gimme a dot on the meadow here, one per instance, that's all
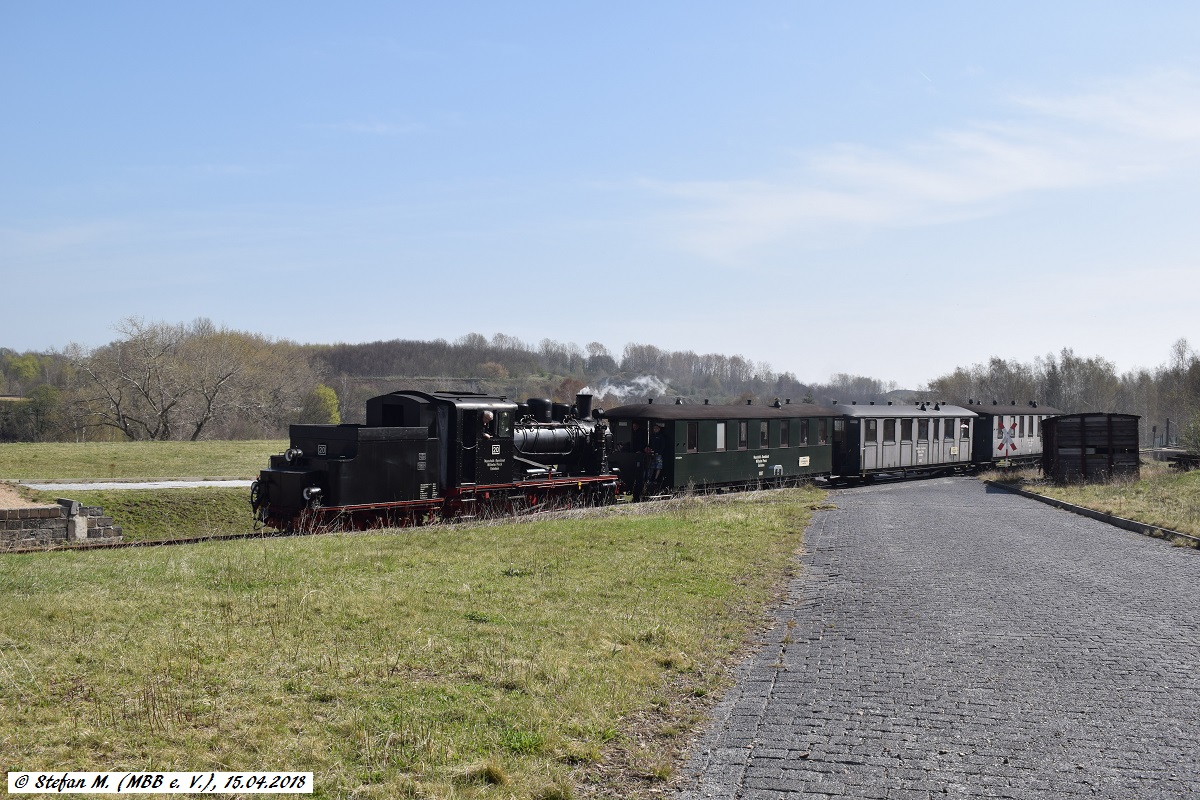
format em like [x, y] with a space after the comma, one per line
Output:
[1161, 496]
[539, 658]
[133, 460]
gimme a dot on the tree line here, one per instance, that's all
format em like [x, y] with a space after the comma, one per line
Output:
[1163, 396]
[159, 381]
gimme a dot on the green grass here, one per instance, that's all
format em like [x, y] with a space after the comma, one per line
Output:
[151, 514]
[548, 658]
[1161, 496]
[126, 460]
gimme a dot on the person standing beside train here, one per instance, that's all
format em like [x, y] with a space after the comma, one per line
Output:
[658, 452]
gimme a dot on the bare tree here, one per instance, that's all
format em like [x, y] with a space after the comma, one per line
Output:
[165, 381]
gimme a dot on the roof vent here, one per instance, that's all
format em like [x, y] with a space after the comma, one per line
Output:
[889, 402]
[853, 402]
[995, 403]
[1033, 403]
[649, 401]
[706, 401]
[749, 402]
[872, 402]
[936, 407]
[776, 404]
[1014, 402]
[787, 401]
[678, 401]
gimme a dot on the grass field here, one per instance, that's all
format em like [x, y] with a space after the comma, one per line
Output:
[548, 658]
[153, 514]
[128, 460]
[1160, 497]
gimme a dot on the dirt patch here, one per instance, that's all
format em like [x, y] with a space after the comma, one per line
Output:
[11, 497]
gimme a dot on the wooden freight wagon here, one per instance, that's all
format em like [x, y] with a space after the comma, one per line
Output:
[1083, 448]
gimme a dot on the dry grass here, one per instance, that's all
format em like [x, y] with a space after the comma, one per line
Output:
[1161, 496]
[126, 460]
[556, 658]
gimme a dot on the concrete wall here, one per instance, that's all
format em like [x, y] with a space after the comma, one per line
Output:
[54, 526]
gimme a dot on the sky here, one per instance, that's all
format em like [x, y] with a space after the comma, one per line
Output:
[877, 188]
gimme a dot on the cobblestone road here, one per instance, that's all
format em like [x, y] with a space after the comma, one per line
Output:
[945, 639]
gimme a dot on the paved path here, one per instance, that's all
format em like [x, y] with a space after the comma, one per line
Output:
[165, 484]
[945, 639]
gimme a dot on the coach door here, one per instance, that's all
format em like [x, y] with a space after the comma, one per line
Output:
[870, 444]
[906, 442]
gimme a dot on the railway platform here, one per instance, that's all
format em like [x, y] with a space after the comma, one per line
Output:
[946, 639]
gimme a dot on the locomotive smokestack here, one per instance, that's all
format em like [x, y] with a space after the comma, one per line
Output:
[583, 405]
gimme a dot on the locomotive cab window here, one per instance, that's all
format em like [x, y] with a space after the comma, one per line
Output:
[504, 424]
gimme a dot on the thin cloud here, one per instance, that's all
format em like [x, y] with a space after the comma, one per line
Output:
[1117, 133]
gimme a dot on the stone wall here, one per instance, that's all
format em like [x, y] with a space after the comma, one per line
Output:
[69, 522]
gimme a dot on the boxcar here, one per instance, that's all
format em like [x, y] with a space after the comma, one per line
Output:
[1091, 447]
[926, 438]
[713, 446]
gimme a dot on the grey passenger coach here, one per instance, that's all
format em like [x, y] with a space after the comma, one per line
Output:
[926, 438]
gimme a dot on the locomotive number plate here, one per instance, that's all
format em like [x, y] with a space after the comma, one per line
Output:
[495, 449]
[322, 449]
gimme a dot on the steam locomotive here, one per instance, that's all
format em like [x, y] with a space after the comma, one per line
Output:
[427, 456]
[423, 456]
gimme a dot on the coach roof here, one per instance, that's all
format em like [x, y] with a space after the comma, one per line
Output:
[922, 410]
[686, 411]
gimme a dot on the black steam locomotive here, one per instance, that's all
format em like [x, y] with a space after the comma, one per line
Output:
[427, 456]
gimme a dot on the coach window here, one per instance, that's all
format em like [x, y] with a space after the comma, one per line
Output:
[1039, 426]
[1021, 430]
[693, 436]
[889, 431]
[823, 431]
[906, 430]
[964, 428]
[785, 433]
[1000, 425]
[764, 436]
[870, 430]
[803, 429]
[720, 436]
[923, 430]
[743, 435]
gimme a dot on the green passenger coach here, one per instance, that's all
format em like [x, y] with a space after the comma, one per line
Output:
[713, 446]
